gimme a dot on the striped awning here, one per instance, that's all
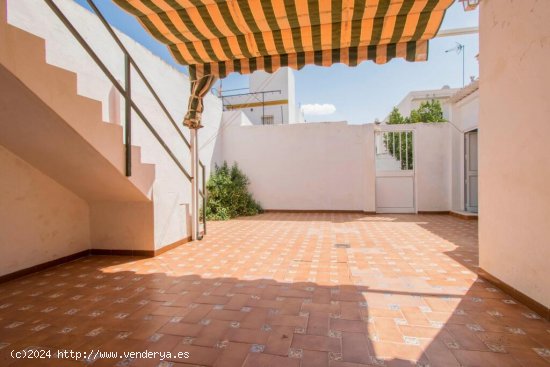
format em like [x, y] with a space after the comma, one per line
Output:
[217, 37]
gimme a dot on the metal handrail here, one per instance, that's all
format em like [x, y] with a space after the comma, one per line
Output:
[136, 67]
[130, 105]
[202, 193]
[129, 63]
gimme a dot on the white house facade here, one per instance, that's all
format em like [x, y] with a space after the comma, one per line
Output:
[270, 99]
[414, 99]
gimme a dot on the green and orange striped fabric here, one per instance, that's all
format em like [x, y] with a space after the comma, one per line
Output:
[217, 37]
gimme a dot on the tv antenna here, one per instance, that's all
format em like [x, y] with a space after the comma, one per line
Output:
[459, 49]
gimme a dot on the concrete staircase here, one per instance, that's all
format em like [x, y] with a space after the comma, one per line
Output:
[61, 133]
[45, 122]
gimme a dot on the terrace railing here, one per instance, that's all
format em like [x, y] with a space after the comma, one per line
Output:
[130, 105]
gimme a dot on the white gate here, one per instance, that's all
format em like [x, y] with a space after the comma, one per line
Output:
[395, 183]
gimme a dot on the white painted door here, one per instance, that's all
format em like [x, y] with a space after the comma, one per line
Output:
[471, 175]
[395, 171]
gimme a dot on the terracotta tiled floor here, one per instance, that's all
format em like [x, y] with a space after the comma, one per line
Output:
[274, 290]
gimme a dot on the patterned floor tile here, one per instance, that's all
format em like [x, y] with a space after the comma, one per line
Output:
[281, 289]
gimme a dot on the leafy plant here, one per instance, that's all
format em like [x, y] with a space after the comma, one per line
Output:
[400, 144]
[228, 195]
[429, 111]
[396, 117]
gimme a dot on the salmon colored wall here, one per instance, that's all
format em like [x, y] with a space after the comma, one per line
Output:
[40, 220]
[514, 159]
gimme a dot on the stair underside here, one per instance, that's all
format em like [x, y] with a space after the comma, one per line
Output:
[37, 134]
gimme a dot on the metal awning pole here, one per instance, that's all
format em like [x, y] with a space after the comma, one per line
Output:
[195, 185]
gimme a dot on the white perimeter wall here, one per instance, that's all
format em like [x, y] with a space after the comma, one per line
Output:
[304, 166]
[329, 166]
[40, 220]
[433, 168]
[514, 163]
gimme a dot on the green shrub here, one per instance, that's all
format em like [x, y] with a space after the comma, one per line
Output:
[228, 195]
[400, 144]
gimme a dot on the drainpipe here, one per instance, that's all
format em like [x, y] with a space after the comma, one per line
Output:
[195, 186]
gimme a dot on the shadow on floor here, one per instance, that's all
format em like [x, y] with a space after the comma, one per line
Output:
[263, 292]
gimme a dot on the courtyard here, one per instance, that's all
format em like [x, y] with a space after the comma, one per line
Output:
[282, 289]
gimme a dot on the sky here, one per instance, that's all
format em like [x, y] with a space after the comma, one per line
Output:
[358, 94]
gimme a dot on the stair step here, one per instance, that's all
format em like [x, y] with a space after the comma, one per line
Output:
[25, 58]
[145, 175]
[29, 46]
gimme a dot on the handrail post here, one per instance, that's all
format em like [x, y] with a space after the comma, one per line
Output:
[128, 113]
[129, 66]
[203, 199]
[195, 185]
